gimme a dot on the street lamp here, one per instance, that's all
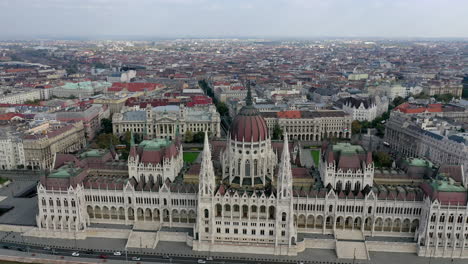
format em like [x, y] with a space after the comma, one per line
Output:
[126, 255]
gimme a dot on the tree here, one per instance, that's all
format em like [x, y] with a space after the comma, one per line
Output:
[222, 109]
[277, 132]
[445, 98]
[356, 127]
[103, 141]
[398, 101]
[199, 137]
[382, 159]
[188, 136]
[106, 125]
[126, 138]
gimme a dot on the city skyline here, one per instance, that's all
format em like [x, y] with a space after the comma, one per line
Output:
[153, 19]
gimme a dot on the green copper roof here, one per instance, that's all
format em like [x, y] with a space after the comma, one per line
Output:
[419, 162]
[347, 148]
[155, 144]
[65, 171]
[446, 184]
[93, 153]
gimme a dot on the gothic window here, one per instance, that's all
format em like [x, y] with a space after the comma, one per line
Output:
[442, 218]
[283, 216]
[207, 213]
[357, 186]
[239, 167]
[255, 167]
[247, 168]
[348, 186]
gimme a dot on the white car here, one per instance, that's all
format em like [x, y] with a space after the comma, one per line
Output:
[201, 261]
[209, 258]
[117, 253]
[136, 258]
[75, 254]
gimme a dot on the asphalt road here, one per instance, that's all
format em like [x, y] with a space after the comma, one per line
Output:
[144, 258]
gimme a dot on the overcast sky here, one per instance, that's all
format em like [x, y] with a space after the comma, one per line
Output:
[227, 18]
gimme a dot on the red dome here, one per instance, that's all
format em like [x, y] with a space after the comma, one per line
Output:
[249, 126]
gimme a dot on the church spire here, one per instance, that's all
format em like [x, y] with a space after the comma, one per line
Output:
[284, 173]
[206, 178]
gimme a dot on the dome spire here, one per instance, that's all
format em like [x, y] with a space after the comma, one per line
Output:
[248, 99]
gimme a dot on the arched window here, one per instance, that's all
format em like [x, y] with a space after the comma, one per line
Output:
[65, 202]
[339, 186]
[348, 186]
[247, 168]
[330, 208]
[236, 208]
[255, 167]
[442, 218]
[451, 217]
[239, 166]
[283, 216]
[43, 202]
[207, 213]
[227, 208]
[369, 210]
[73, 204]
[357, 186]
[433, 218]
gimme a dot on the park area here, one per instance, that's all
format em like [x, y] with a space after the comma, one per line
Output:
[190, 157]
[315, 156]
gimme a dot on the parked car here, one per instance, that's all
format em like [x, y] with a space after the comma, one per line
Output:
[75, 254]
[89, 251]
[201, 261]
[166, 257]
[102, 256]
[47, 248]
[117, 253]
[209, 258]
[136, 258]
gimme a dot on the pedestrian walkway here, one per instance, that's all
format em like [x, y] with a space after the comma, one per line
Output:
[350, 244]
[142, 240]
[351, 250]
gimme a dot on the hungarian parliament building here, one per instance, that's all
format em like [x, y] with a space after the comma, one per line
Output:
[251, 194]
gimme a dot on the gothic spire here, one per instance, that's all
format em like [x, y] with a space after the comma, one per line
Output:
[206, 178]
[248, 99]
[284, 173]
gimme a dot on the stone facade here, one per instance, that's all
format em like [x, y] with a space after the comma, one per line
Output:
[40, 148]
[11, 153]
[365, 109]
[164, 121]
[248, 200]
[311, 125]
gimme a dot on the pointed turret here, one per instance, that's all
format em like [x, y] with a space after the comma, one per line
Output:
[207, 178]
[284, 173]
[133, 151]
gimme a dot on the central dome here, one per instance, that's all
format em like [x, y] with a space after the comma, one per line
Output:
[249, 125]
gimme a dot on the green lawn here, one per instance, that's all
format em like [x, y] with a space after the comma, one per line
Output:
[316, 156]
[190, 156]
[3, 180]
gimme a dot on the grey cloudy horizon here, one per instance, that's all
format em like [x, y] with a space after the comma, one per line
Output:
[228, 18]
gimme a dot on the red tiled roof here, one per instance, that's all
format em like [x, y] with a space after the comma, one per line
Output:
[134, 87]
[289, 114]
[9, 116]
